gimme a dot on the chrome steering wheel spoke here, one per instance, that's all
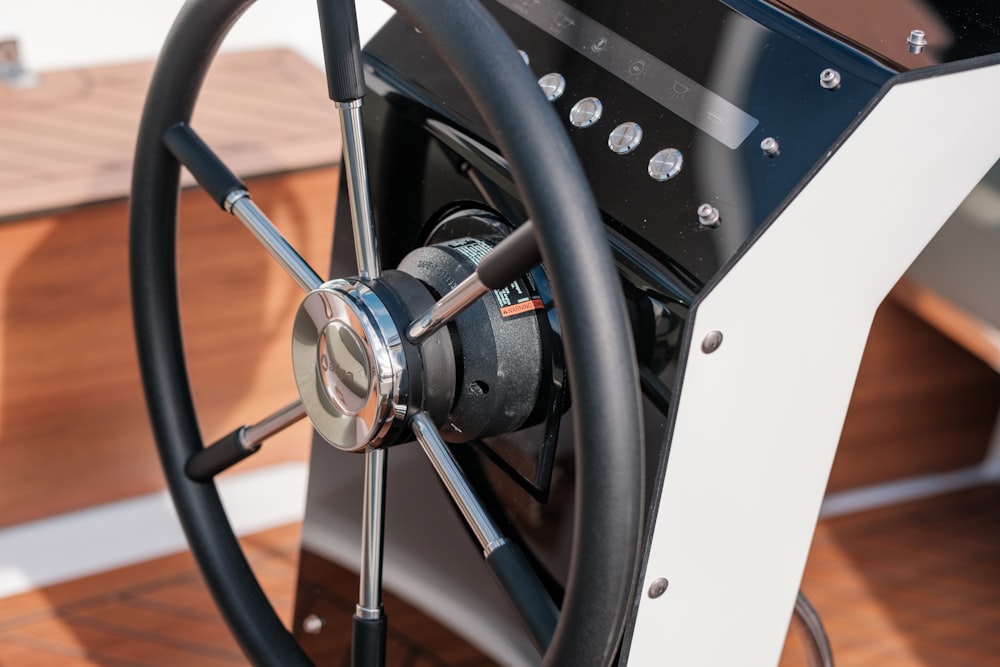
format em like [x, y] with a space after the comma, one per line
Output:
[358, 190]
[342, 50]
[511, 570]
[511, 258]
[254, 219]
[447, 308]
[482, 526]
[230, 449]
[233, 197]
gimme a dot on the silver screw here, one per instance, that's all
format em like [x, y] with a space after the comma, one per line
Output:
[712, 342]
[770, 147]
[829, 79]
[708, 215]
[916, 41]
[313, 624]
[658, 588]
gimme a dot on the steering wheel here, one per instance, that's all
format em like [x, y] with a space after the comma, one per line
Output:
[370, 410]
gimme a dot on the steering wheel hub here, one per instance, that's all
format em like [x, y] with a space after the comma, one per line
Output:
[349, 364]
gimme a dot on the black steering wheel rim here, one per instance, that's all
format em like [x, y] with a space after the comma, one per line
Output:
[603, 378]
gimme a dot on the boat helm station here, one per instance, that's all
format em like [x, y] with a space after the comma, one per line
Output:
[609, 268]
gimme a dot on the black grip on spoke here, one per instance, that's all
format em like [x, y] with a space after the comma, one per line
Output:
[511, 259]
[221, 455]
[204, 165]
[338, 22]
[525, 591]
[368, 642]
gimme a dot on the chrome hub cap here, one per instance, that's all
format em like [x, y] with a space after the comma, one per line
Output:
[347, 354]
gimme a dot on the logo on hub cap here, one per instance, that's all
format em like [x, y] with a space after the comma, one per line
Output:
[343, 368]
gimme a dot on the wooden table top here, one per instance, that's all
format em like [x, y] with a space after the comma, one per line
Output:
[70, 140]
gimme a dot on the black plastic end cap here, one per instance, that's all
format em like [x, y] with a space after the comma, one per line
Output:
[345, 78]
[218, 457]
[511, 258]
[368, 641]
[525, 591]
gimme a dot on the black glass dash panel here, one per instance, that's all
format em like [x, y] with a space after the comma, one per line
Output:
[766, 73]
[639, 68]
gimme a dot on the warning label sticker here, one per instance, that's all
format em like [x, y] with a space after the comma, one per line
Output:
[523, 307]
[518, 298]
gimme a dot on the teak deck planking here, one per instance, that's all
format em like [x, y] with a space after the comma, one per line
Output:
[916, 585]
[70, 140]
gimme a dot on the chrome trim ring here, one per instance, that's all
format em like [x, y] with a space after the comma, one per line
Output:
[349, 364]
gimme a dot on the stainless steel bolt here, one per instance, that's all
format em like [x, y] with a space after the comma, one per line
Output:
[712, 342]
[916, 41]
[313, 624]
[658, 588]
[829, 79]
[770, 147]
[708, 215]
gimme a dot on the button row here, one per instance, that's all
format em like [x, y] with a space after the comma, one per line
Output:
[624, 139]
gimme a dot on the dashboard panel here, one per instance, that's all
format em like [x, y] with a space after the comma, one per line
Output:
[693, 124]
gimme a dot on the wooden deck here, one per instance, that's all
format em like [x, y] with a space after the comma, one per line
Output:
[155, 613]
[916, 585]
[70, 140]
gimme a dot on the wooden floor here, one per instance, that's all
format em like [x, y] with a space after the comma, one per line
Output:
[917, 585]
[911, 586]
[154, 614]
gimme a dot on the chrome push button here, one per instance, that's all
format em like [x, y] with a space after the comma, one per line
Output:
[553, 85]
[586, 112]
[665, 164]
[625, 138]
